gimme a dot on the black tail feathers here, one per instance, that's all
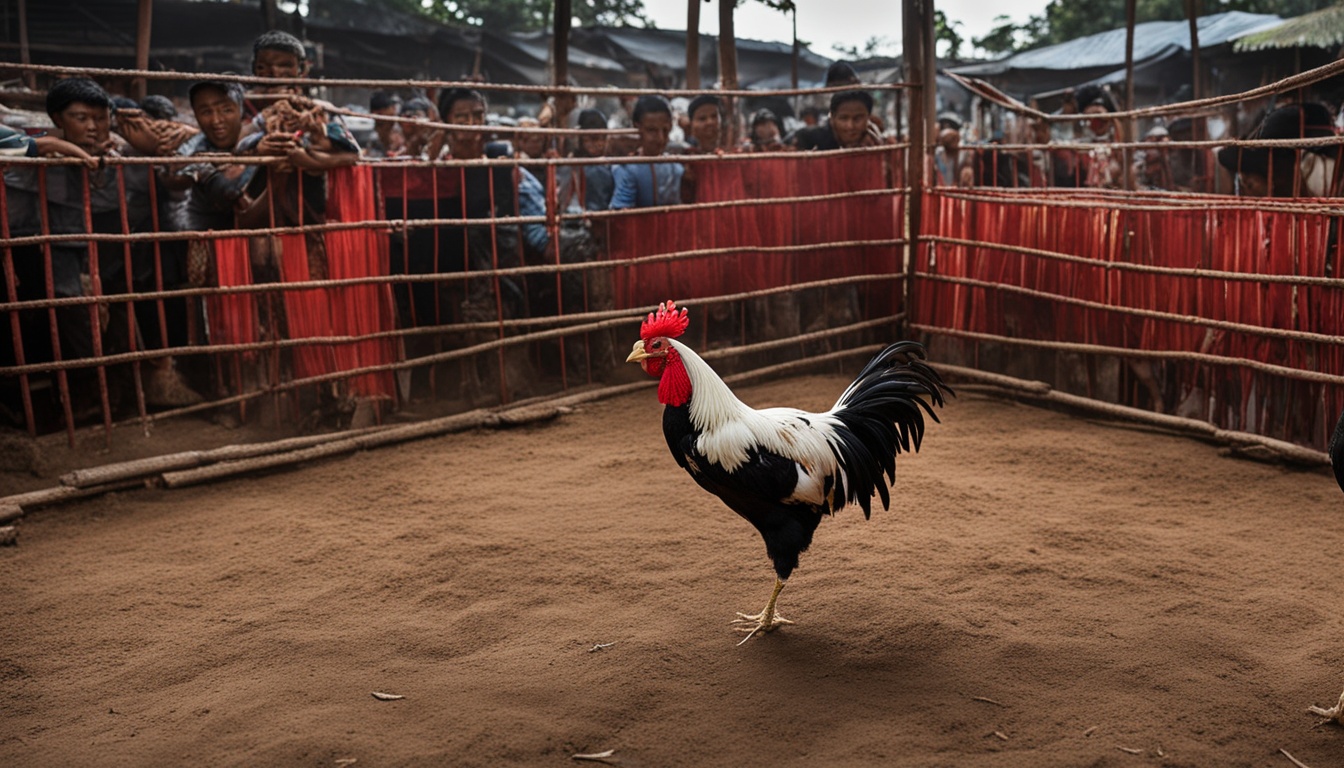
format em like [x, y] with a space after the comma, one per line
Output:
[882, 414]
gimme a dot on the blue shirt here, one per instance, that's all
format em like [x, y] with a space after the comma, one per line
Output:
[532, 202]
[643, 185]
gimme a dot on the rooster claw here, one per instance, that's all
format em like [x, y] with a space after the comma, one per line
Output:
[752, 625]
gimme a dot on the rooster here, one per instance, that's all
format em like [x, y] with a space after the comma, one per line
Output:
[783, 468]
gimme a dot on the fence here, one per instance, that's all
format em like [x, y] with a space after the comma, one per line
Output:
[442, 281]
[454, 282]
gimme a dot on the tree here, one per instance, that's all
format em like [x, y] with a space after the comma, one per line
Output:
[945, 31]
[872, 48]
[1004, 38]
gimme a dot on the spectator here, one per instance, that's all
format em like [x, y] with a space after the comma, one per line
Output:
[810, 116]
[421, 142]
[766, 133]
[279, 55]
[530, 145]
[641, 185]
[1189, 166]
[1151, 169]
[1283, 171]
[592, 189]
[848, 125]
[948, 120]
[1103, 166]
[706, 124]
[1047, 166]
[587, 188]
[159, 107]
[516, 192]
[310, 137]
[816, 137]
[533, 146]
[947, 159]
[994, 167]
[388, 139]
[216, 190]
[81, 110]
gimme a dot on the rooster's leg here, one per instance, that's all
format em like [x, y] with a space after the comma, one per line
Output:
[766, 620]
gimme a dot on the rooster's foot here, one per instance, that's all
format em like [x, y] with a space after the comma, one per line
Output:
[759, 623]
[765, 621]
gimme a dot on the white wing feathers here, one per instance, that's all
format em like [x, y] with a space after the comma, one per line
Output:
[729, 429]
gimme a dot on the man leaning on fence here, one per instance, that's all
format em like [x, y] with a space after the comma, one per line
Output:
[80, 109]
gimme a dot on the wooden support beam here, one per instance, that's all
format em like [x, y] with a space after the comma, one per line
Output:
[564, 18]
[693, 44]
[143, 24]
[728, 66]
[25, 54]
[915, 19]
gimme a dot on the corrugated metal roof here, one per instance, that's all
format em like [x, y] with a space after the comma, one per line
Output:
[1152, 40]
[1318, 29]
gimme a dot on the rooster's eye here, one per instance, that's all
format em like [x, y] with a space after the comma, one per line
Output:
[657, 345]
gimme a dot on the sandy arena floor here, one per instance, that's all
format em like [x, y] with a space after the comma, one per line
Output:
[1050, 591]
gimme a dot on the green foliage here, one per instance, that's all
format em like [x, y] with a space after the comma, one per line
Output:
[1066, 20]
[1004, 38]
[874, 47]
[945, 31]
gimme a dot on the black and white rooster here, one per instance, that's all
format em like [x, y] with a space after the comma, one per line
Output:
[782, 468]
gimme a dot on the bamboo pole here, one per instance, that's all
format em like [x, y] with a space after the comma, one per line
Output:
[10, 512]
[144, 19]
[564, 17]
[728, 66]
[1130, 124]
[913, 25]
[25, 52]
[693, 44]
[1237, 441]
[1199, 124]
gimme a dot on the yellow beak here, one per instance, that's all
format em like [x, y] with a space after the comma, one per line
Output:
[638, 353]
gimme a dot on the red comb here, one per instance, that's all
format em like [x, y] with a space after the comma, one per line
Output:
[667, 321]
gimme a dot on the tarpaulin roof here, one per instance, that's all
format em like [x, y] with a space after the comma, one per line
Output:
[1152, 40]
[661, 54]
[364, 38]
[1161, 58]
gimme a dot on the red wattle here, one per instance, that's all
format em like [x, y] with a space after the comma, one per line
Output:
[674, 388]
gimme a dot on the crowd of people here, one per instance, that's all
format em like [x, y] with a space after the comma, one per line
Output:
[304, 139]
[1082, 152]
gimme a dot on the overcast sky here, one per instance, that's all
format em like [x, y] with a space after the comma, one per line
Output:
[823, 23]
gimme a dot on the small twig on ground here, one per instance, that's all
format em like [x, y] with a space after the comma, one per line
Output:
[600, 646]
[347, 761]
[1296, 762]
[1001, 735]
[989, 701]
[386, 696]
[1090, 731]
[600, 757]
[1130, 750]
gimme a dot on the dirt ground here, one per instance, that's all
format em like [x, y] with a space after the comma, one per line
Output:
[1048, 591]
